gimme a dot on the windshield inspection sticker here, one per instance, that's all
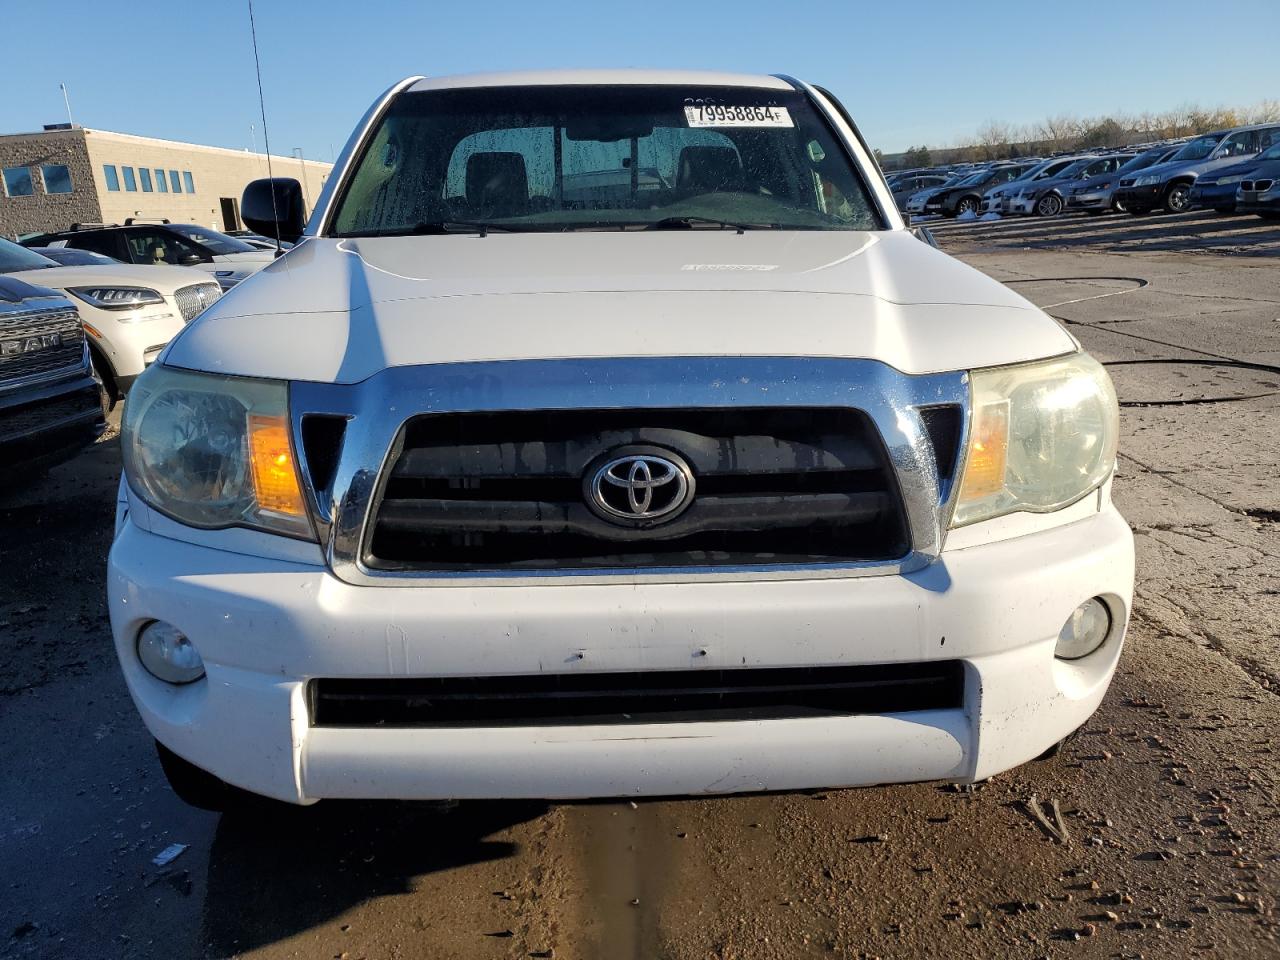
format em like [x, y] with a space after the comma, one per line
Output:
[726, 115]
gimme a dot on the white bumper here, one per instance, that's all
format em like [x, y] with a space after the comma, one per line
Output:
[265, 627]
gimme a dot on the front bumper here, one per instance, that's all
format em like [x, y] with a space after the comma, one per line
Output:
[1213, 195]
[48, 422]
[1094, 200]
[1251, 201]
[267, 627]
[1140, 199]
[1020, 205]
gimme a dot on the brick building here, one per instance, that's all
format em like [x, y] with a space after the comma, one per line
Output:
[66, 175]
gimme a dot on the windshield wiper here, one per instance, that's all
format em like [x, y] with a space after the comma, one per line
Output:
[436, 228]
[689, 223]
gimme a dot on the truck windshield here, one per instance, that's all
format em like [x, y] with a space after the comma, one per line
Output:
[555, 158]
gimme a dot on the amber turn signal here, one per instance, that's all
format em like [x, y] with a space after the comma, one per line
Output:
[275, 477]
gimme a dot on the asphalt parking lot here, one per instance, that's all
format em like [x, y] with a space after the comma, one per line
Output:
[1171, 794]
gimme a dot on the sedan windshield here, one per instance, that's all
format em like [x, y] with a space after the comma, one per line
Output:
[14, 258]
[560, 158]
[1198, 148]
[1271, 153]
[215, 242]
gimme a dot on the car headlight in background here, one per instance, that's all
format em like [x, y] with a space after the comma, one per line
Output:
[213, 451]
[1042, 435]
[116, 298]
[1150, 181]
[1223, 181]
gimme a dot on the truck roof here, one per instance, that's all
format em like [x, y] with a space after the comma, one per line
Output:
[540, 78]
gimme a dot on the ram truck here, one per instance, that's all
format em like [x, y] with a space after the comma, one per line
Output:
[607, 433]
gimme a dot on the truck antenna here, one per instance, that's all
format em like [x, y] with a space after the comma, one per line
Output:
[266, 139]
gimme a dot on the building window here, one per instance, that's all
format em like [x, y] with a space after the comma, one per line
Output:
[174, 183]
[57, 178]
[145, 176]
[161, 183]
[130, 183]
[113, 178]
[17, 182]
[188, 182]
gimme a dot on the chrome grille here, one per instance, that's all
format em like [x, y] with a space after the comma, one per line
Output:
[193, 299]
[38, 343]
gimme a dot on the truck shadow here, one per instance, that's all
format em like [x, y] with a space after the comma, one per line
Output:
[277, 872]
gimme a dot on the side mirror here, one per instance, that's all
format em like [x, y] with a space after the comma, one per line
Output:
[274, 208]
[190, 260]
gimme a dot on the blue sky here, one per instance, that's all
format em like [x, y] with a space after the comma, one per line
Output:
[911, 72]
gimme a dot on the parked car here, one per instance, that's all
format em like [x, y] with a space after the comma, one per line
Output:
[50, 404]
[177, 244]
[1167, 186]
[256, 241]
[1260, 192]
[1095, 195]
[997, 199]
[129, 312]
[1046, 197]
[904, 187]
[916, 202]
[965, 197]
[1219, 188]
[392, 526]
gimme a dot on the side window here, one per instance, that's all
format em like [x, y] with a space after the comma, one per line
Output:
[112, 177]
[144, 175]
[17, 182]
[174, 183]
[130, 183]
[159, 246]
[98, 242]
[1268, 138]
[57, 178]
[162, 185]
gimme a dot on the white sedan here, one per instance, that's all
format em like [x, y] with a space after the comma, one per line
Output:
[129, 312]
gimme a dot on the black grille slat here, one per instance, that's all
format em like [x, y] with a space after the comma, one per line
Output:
[506, 491]
[715, 513]
[681, 696]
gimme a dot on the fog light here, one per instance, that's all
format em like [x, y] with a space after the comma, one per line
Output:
[1084, 631]
[168, 655]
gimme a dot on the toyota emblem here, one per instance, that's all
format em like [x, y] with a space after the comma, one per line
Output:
[645, 486]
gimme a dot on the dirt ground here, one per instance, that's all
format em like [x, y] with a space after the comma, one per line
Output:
[1170, 793]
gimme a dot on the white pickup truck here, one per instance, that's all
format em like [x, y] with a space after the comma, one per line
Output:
[607, 434]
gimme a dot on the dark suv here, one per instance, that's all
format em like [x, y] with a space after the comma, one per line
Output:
[50, 403]
[177, 244]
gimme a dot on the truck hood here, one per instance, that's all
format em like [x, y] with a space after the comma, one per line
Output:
[340, 310]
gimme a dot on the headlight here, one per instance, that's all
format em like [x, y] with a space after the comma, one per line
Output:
[1225, 181]
[1042, 435]
[1103, 186]
[213, 451]
[1150, 181]
[116, 298]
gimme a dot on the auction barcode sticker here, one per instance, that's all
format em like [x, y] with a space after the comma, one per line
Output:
[726, 115]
